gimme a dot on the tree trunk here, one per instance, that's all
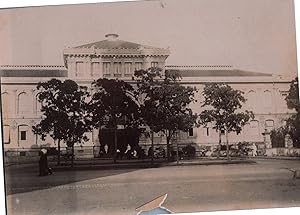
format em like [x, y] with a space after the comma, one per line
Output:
[72, 158]
[219, 146]
[168, 145]
[152, 149]
[227, 146]
[115, 145]
[58, 155]
[177, 149]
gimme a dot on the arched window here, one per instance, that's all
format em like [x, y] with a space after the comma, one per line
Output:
[267, 99]
[24, 103]
[208, 129]
[282, 101]
[6, 134]
[253, 128]
[38, 105]
[251, 99]
[7, 108]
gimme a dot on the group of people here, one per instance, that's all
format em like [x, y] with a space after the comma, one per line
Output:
[129, 153]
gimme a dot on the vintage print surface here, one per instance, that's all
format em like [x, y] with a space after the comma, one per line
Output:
[150, 107]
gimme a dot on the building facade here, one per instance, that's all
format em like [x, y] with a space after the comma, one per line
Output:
[115, 58]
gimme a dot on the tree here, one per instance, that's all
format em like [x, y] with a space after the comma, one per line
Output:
[292, 98]
[113, 104]
[165, 106]
[223, 108]
[278, 137]
[65, 113]
[292, 124]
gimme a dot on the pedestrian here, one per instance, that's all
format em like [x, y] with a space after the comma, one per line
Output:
[43, 164]
[106, 148]
[134, 153]
[150, 152]
[118, 154]
[128, 151]
[254, 150]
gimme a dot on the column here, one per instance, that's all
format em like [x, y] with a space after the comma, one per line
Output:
[95, 140]
[147, 62]
[15, 99]
[34, 105]
[71, 67]
[268, 144]
[100, 69]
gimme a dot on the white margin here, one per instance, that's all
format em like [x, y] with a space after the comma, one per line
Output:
[19, 3]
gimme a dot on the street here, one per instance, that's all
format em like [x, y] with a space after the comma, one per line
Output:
[266, 183]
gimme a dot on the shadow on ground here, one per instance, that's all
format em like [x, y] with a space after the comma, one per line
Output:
[24, 178]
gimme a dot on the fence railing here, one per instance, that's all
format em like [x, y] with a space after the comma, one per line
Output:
[142, 151]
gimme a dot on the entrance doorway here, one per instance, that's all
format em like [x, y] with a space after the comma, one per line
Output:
[124, 137]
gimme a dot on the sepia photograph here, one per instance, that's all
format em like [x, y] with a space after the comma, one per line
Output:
[150, 107]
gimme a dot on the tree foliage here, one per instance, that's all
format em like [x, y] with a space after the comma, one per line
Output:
[65, 111]
[113, 103]
[293, 122]
[223, 106]
[165, 106]
[278, 137]
[292, 98]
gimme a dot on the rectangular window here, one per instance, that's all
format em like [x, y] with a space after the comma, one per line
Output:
[106, 69]
[191, 132]
[117, 69]
[138, 66]
[128, 69]
[207, 131]
[23, 135]
[95, 68]
[269, 123]
[254, 128]
[154, 64]
[79, 69]
[6, 134]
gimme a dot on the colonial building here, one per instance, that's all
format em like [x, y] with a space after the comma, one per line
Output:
[115, 58]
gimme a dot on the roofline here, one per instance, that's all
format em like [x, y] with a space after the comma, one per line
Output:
[54, 67]
[197, 66]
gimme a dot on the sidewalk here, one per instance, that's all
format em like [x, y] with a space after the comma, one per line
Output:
[139, 164]
[221, 161]
[100, 164]
[276, 157]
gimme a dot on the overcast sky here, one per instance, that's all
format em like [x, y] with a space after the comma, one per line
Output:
[255, 35]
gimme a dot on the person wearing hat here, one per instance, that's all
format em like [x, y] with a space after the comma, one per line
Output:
[43, 164]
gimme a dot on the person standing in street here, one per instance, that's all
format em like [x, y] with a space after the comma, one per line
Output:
[43, 164]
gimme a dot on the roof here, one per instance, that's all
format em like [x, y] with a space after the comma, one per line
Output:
[213, 71]
[33, 71]
[113, 43]
[107, 44]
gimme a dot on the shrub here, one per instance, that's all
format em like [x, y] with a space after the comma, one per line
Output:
[189, 151]
[277, 137]
[241, 149]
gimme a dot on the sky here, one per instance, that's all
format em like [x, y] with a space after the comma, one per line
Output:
[253, 35]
